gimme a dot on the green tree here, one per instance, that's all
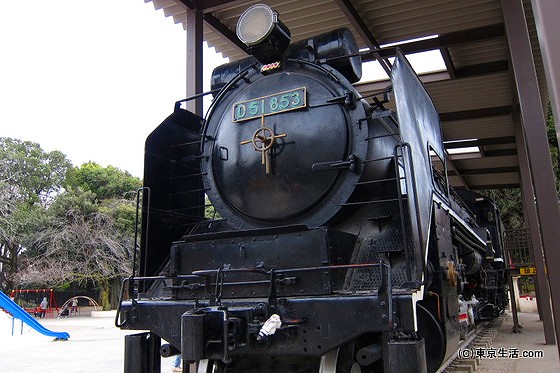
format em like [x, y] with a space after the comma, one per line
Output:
[553, 144]
[105, 182]
[86, 235]
[509, 201]
[30, 179]
[61, 224]
[31, 174]
[77, 243]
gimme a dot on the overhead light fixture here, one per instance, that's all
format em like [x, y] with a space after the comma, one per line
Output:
[463, 149]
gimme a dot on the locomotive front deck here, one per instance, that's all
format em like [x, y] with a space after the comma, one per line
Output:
[224, 332]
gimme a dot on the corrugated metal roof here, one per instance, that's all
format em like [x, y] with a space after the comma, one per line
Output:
[464, 93]
[482, 128]
[474, 97]
[479, 52]
[395, 20]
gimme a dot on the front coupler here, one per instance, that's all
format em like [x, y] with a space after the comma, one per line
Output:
[142, 353]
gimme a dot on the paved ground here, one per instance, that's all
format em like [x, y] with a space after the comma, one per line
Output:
[531, 340]
[95, 345]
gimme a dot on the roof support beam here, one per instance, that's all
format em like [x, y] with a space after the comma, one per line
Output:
[495, 186]
[358, 23]
[482, 68]
[444, 41]
[448, 62]
[224, 30]
[534, 131]
[475, 113]
[212, 21]
[381, 85]
[452, 170]
[500, 152]
[488, 171]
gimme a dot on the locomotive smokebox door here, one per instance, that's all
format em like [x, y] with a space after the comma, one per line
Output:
[293, 148]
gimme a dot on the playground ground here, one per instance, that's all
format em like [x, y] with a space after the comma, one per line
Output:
[95, 345]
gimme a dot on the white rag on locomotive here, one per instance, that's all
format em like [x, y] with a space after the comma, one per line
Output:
[336, 243]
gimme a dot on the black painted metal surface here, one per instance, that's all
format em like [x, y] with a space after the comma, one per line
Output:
[259, 171]
[332, 219]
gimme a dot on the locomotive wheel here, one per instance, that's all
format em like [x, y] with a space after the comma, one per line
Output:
[434, 338]
[341, 360]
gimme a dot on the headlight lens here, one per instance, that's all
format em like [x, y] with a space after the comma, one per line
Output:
[255, 24]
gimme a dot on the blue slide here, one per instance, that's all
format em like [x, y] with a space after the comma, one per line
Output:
[19, 313]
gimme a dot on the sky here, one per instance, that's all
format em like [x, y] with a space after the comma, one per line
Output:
[93, 78]
[90, 78]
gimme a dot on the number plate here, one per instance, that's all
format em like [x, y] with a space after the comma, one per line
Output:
[269, 105]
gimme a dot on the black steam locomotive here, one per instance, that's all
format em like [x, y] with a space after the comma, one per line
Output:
[335, 243]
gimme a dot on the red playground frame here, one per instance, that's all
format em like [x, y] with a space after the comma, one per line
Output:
[49, 294]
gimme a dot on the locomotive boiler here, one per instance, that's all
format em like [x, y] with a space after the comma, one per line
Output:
[334, 242]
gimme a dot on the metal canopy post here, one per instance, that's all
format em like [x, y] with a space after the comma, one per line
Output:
[194, 83]
[530, 210]
[534, 129]
[194, 60]
[547, 14]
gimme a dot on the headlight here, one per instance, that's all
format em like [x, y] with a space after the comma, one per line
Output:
[260, 29]
[255, 24]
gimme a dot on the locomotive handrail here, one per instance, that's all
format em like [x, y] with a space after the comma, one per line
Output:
[377, 181]
[461, 237]
[121, 296]
[405, 145]
[211, 272]
[385, 289]
[380, 136]
[134, 255]
[188, 192]
[390, 131]
[377, 159]
[198, 95]
[207, 272]
[318, 67]
[371, 201]
[370, 54]
[401, 208]
[187, 176]
[229, 84]
[221, 93]
[219, 276]
[140, 191]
